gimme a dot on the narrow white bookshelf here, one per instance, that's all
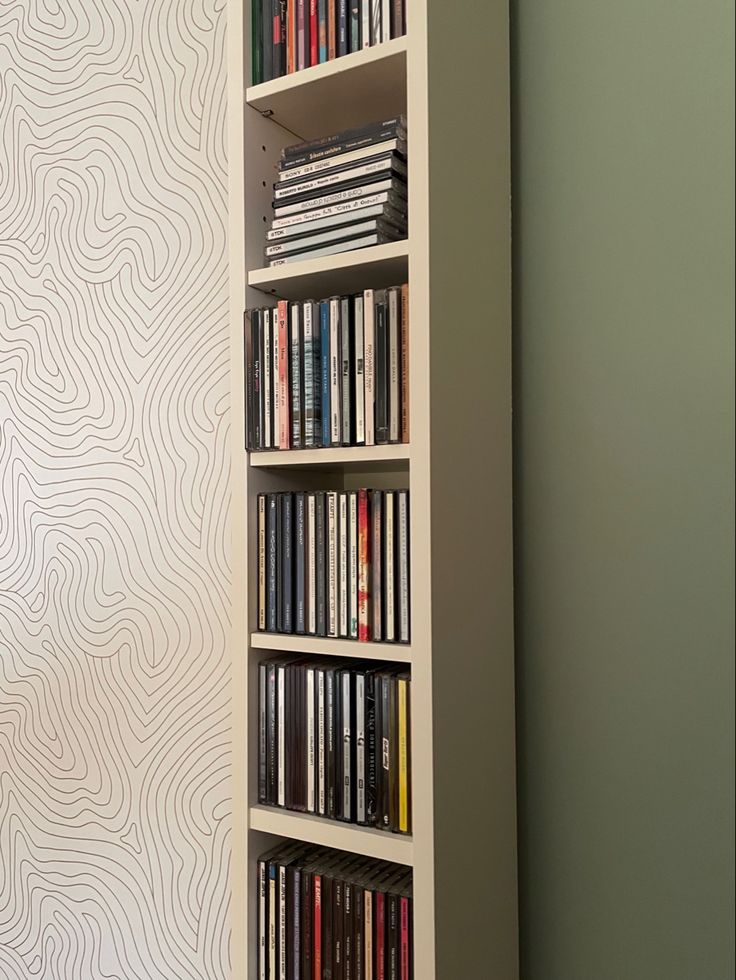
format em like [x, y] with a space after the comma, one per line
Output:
[453, 84]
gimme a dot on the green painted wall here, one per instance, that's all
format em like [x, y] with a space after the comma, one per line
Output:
[623, 207]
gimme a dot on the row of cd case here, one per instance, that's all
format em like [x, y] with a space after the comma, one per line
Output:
[329, 915]
[335, 564]
[334, 740]
[329, 373]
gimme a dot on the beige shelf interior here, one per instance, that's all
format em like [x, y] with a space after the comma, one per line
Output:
[322, 99]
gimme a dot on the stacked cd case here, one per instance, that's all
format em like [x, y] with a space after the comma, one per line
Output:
[340, 193]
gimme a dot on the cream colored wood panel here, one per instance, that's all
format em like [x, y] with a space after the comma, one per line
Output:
[380, 265]
[422, 570]
[241, 916]
[332, 833]
[399, 652]
[344, 457]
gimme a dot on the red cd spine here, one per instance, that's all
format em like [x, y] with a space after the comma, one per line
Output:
[313, 33]
[363, 567]
[380, 936]
[317, 928]
[331, 30]
[404, 947]
[284, 393]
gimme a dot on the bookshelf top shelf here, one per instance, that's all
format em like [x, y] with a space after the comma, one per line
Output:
[365, 86]
[331, 833]
[374, 267]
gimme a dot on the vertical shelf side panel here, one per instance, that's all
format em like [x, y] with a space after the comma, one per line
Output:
[471, 491]
[238, 59]
[421, 530]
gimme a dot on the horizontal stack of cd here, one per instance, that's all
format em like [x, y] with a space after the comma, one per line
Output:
[328, 373]
[335, 564]
[327, 914]
[290, 35]
[334, 740]
[340, 193]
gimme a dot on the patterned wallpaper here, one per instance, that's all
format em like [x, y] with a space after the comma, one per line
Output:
[114, 577]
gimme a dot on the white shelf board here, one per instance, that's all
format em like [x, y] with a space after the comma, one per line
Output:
[326, 646]
[333, 833]
[365, 86]
[354, 457]
[374, 267]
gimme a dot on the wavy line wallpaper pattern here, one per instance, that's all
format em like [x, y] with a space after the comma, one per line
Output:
[114, 491]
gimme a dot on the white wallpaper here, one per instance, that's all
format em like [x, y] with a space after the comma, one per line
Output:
[114, 496]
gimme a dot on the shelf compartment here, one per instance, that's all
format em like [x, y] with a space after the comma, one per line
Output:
[368, 84]
[327, 646]
[373, 267]
[348, 457]
[333, 833]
